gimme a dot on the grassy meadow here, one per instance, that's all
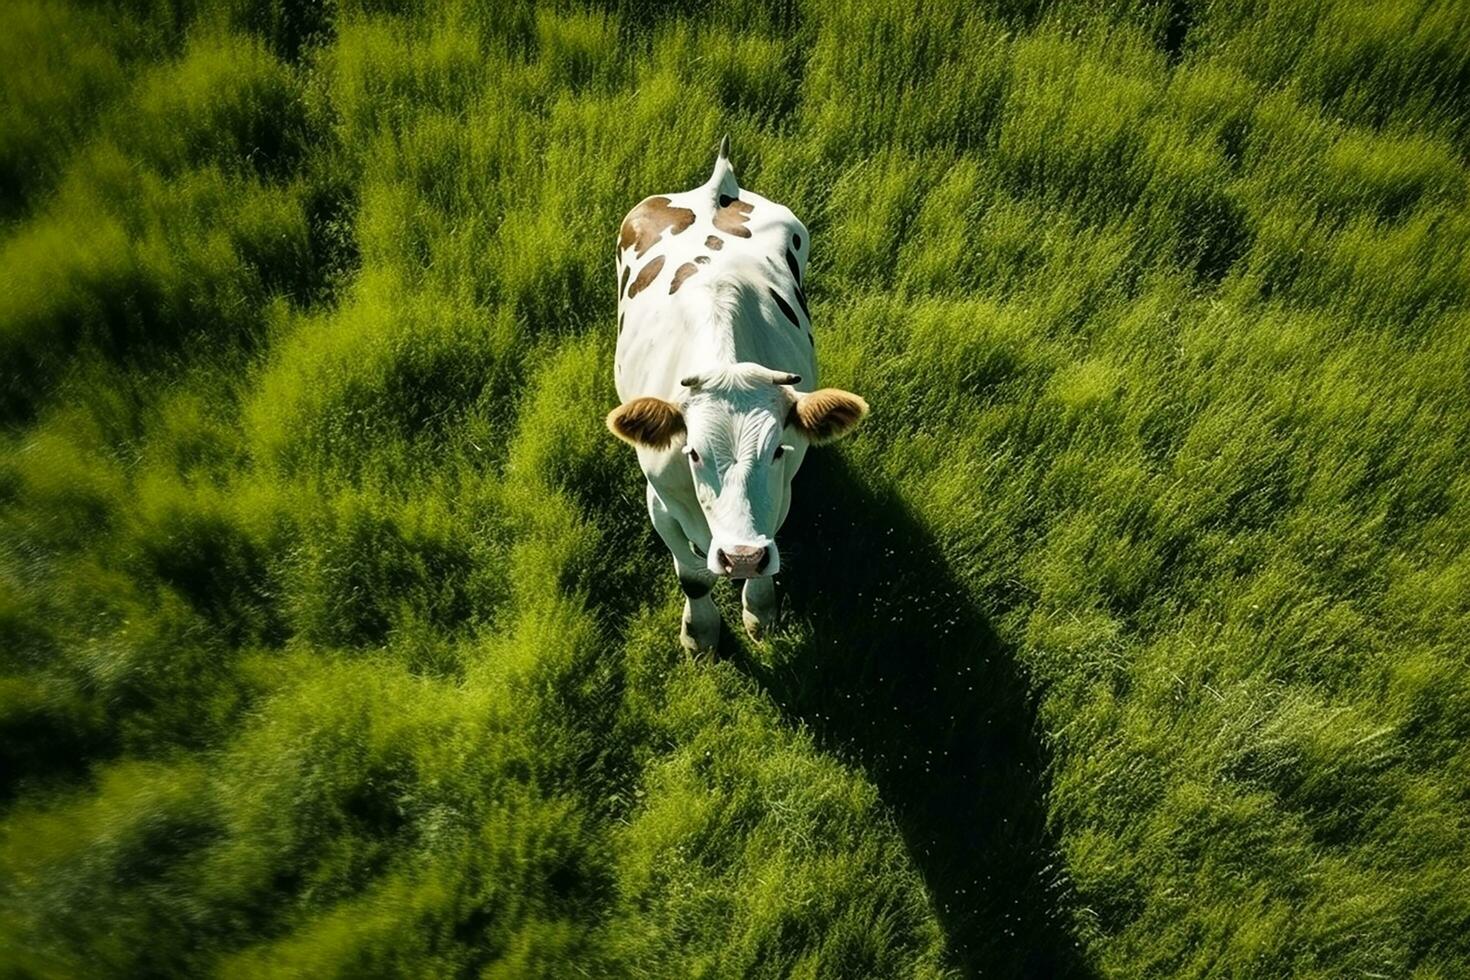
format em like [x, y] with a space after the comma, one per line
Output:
[1125, 639]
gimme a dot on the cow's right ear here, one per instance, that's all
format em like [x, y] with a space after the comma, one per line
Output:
[648, 422]
[827, 414]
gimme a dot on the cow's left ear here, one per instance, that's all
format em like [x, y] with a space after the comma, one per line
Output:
[650, 422]
[827, 414]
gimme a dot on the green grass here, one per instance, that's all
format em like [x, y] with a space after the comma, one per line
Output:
[1125, 639]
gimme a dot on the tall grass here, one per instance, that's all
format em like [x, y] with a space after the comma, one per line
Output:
[1124, 638]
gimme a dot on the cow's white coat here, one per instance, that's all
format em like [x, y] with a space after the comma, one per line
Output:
[724, 326]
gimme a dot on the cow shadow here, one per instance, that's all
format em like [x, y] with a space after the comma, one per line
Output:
[895, 669]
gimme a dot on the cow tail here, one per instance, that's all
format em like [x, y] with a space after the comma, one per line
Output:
[722, 183]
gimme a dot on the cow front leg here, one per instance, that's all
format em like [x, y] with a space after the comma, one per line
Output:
[758, 602]
[700, 628]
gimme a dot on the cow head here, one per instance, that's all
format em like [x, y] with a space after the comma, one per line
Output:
[743, 430]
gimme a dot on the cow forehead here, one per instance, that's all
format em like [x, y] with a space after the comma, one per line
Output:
[739, 416]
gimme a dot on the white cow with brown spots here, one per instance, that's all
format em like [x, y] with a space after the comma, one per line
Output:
[716, 366]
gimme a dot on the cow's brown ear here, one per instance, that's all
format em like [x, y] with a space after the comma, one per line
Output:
[650, 422]
[827, 414]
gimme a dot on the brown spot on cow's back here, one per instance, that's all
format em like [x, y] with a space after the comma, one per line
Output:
[645, 223]
[714, 243]
[701, 259]
[732, 216]
[646, 276]
[680, 274]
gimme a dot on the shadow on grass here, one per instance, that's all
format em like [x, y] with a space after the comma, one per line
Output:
[902, 674]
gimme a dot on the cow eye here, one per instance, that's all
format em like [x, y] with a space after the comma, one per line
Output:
[780, 451]
[693, 456]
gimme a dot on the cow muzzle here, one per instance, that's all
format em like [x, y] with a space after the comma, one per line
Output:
[743, 561]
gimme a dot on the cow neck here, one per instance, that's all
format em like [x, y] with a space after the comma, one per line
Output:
[719, 340]
[729, 332]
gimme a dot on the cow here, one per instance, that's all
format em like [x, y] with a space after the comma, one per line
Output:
[716, 368]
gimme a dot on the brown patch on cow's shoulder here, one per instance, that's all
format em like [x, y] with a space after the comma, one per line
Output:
[701, 259]
[732, 216]
[646, 276]
[645, 223]
[680, 274]
[714, 243]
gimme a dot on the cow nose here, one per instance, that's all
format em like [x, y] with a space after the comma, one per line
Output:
[742, 560]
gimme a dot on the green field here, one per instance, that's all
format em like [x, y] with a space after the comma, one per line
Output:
[1126, 638]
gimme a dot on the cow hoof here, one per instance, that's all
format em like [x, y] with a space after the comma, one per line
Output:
[699, 641]
[758, 607]
[755, 626]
